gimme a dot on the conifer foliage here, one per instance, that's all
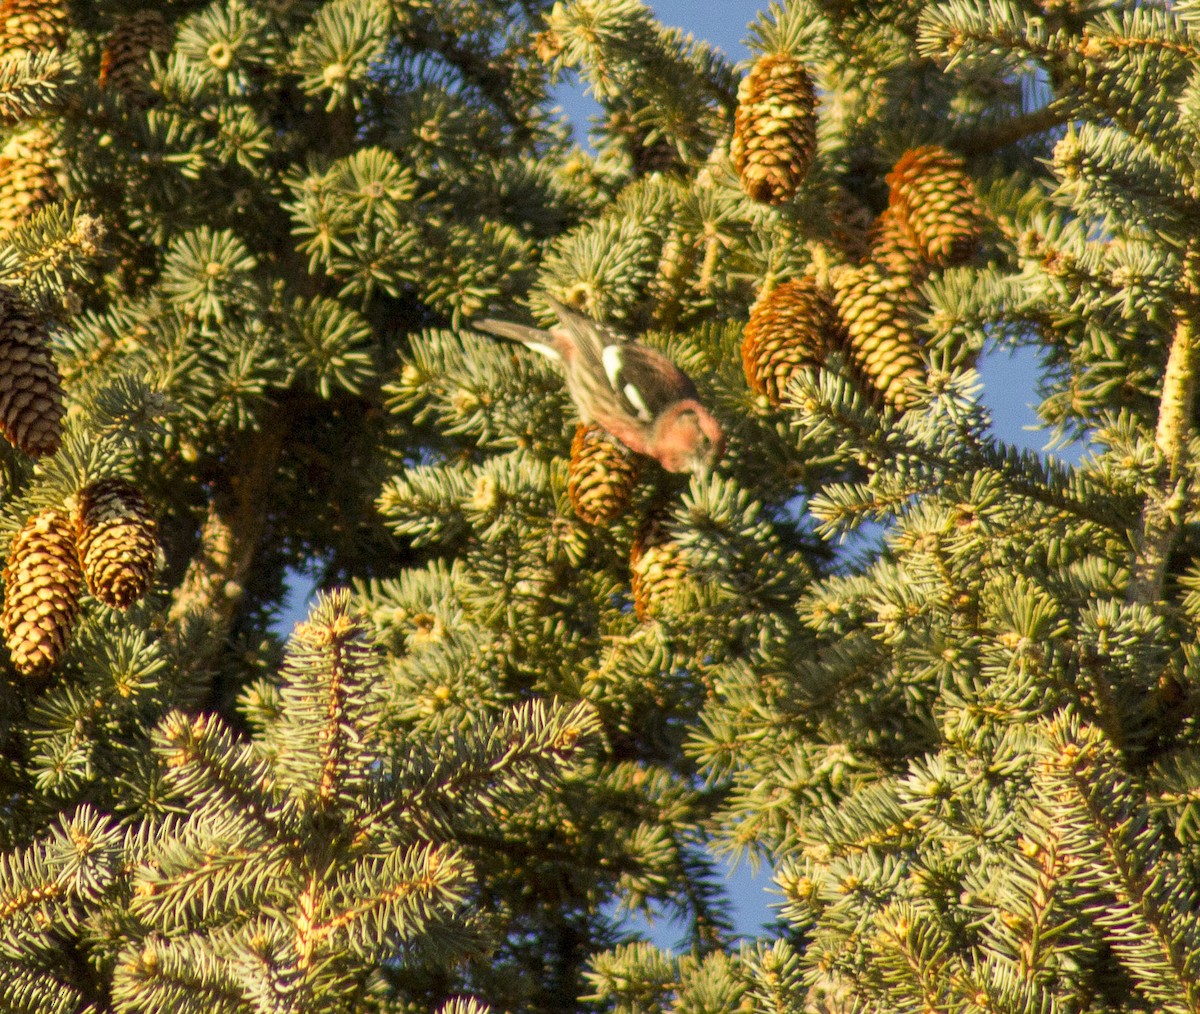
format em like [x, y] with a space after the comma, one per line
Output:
[944, 689]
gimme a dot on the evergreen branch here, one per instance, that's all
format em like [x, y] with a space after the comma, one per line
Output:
[631, 977]
[321, 740]
[492, 79]
[182, 975]
[398, 897]
[871, 819]
[915, 960]
[528, 744]
[38, 991]
[214, 870]
[33, 83]
[334, 736]
[78, 860]
[206, 763]
[1124, 857]
[1162, 514]
[31, 897]
[1043, 921]
[993, 137]
[464, 1005]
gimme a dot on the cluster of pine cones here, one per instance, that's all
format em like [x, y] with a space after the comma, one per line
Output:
[109, 543]
[31, 165]
[601, 478]
[31, 160]
[863, 311]
[106, 541]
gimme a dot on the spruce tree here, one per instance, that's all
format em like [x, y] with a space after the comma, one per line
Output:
[541, 682]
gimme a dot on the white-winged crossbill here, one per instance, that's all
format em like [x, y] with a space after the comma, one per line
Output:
[638, 395]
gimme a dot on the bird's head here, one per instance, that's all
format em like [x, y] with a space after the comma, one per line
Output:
[687, 438]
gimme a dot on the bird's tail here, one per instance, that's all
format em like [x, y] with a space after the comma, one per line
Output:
[531, 337]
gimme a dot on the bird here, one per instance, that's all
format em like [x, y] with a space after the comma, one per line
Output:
[637, 395]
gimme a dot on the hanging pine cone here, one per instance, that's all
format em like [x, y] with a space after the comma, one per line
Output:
[646, 154]
[33, 26]
[118, 541]
[894, 247]
[775, 128]
[933, 194]
[41, 591]
[849, 224]
[601, 477]
[794, 326]
[657, 569]
[125, 62]
[29, 165]
[31, 397]
[876, 311]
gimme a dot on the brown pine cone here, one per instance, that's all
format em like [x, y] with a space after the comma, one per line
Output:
[125, 62]
[31, 396]
[601, 477]
[794, 326]
[775, 128]
[894, 248]
[33, 26]
[657, 569]
[931, 192]
[876, 311]
[41, 592]
[29, 165]
[118, 541]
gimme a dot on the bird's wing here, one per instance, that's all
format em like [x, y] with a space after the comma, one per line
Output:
[636, 374]
[598, 348]
[584, 332]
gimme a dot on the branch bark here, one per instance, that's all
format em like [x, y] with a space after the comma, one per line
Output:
[208, 598]
[990, 139]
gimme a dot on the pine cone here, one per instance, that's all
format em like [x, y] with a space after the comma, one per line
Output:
[646, 155]
[849, 224]
[657, 568]
[29, 165]
[125, 63]
[31, 396]
[932, 193]
[33, 26]
[794, 326]
[894, 247]
[601, 477]
[41, 591]
[775, 128]
[876, 311]
[118, 541]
